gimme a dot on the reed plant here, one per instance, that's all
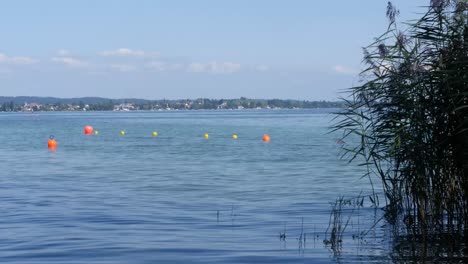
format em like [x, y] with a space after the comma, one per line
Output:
[410, 116]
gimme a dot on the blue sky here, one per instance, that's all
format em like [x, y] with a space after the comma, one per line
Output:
[301, 49]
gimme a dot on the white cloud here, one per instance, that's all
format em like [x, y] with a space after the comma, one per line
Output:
[262, 68]
[384, 67]
[345, 70]
[175, 66]
[63, 52]
[226, 67]
[214, 67]
[160, 66]
[124, 52]
[3, 57]
[123, 67]
[196, 67]
[70, 62]
[17, 60]
[157, 65]
[23, 60]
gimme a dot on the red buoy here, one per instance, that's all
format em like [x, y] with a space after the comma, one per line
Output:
[266, 138]
[88, 130]
[52, 144]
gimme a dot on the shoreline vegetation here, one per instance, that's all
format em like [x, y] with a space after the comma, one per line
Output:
[409, 119]
[34, 104]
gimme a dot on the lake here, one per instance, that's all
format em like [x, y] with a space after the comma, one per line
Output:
[177, 197]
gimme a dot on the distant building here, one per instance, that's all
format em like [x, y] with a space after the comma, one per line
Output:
[222, 106]
[124, 107]
[31, 107]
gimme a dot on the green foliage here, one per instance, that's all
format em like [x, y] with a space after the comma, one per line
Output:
[411, 117]
[7, 107]
[102, 104]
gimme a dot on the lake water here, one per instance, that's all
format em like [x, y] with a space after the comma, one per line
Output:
[175, 198]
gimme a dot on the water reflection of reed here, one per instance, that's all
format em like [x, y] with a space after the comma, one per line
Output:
[441, 247]
[360, 232]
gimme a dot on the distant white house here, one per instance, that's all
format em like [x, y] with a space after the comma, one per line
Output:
[124, 107]
[222, 106]
[31, 107]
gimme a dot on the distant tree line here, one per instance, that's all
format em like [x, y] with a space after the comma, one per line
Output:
[103, 104]
[8, 107]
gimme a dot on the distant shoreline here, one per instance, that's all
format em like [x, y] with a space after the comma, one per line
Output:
[45, 104]
[172, 110]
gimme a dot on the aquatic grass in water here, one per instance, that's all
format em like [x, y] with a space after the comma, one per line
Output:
[410, 116]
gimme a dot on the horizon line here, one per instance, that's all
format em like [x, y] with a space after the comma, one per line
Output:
[172, 99]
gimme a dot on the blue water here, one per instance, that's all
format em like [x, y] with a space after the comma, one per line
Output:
[175, 198]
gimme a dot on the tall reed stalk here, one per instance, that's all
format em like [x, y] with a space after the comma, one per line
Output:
[410, 113]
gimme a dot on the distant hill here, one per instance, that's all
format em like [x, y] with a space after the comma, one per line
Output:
[19, 100]
[34, 103]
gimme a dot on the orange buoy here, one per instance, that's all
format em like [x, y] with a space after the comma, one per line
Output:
[266, 138]
[88, 130]
[52, 144]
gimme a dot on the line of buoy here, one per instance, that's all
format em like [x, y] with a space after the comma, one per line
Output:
[88, 130]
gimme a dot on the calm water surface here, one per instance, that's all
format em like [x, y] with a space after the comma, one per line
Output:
[175, 198]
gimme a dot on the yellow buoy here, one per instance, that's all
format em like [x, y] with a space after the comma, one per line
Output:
[234, 136]
[206, 136]
[122, 133]
[155, 134]
[96, 132]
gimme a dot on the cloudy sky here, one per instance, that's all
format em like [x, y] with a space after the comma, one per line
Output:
[298, 49]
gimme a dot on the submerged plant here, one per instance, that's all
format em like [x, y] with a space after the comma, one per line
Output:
[410, 115]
